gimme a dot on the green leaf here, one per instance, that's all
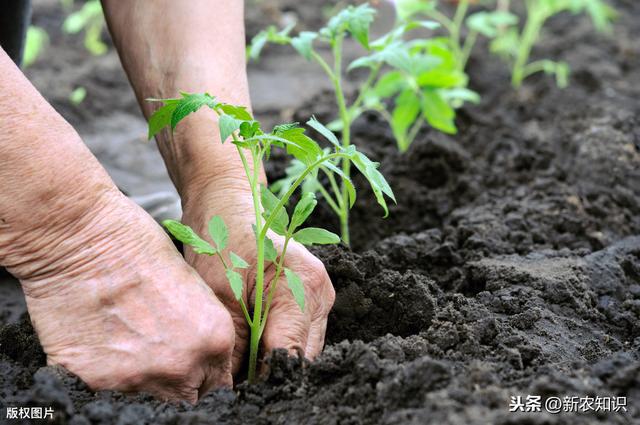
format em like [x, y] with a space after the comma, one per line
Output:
[442, 78]
[238, 262]
[295, 286]
[228, 125]
[302, 147]
[488, 23]
[303, 43]
[405, 9]
[236, 283]
[389, 84]
[320, 128]
[438, 112]
[191, 102]
[239, 112]
[36, 41]
[270, 252]
[315, 236]
[351, 190]
[355, 20]
[404, 114]
[303, 210]
[187, 236]
[377, 181]
[218, 231]
[270, 35]
[269, 203]
[161, 118]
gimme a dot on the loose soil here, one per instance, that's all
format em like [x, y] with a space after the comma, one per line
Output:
[509, 267]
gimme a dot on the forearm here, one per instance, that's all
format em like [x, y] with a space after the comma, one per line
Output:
[169, 46]
[45, 169]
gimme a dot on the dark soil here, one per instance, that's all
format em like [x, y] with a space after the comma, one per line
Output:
[510, 266]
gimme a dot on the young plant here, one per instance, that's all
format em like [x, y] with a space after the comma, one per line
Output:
[417, 77]
[515, 45]
[36, 41]
[459, 41]
[90, 19]
[270, 213]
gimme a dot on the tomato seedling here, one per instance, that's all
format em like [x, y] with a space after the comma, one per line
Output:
[515, 45]
[253, 146]
[418, 77]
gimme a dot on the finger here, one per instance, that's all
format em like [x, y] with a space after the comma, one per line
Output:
[315, 341]
[241, 340]
[287, 326]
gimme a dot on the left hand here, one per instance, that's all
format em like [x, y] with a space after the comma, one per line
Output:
[287, 326]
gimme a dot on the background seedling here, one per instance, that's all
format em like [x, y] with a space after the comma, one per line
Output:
[419, 78]
[90, 20]
[253, 146]
[515, 45]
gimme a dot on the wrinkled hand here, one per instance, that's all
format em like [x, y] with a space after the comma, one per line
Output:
[287, 326]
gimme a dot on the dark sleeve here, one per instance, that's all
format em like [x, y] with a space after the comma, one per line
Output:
[14, 20]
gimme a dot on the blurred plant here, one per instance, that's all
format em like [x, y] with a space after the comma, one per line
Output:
[515, 45]
[89, 19]
[78, 95]
[418, 78]
[36, 41]
[253, 145]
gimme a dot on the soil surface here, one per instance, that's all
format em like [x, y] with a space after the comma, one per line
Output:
[510, 266]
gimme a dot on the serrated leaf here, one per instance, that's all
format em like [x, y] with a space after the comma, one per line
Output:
[269, 203]
[236, 283]
[303, 43]
[355, 20]
[190, 103]
[239, 112]
[218, 232]
[227, 125]
[315, 236]
[320, 128]
[187, 236]
[270, 252]
[303, 210]
[238, 262]
[161, 118]
[295, 286]
[302, 147]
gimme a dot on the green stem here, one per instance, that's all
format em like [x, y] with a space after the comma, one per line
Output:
[346, 134]
[327, 197]
[334, 187]
[254, 344]
[535, 21]
[469, 43]
[293, 188]
[373, 75]
[242, 304]
[274, 284]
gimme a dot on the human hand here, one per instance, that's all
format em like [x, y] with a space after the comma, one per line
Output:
[287, 326]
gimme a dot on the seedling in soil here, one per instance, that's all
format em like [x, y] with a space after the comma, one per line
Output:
[89, 19]
[253, 146]
[488, 23]
[515, 45]
[419, 77]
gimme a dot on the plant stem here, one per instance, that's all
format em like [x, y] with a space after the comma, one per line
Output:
[254, 344]
[535, 20]
[274, 284]
[346, 134]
